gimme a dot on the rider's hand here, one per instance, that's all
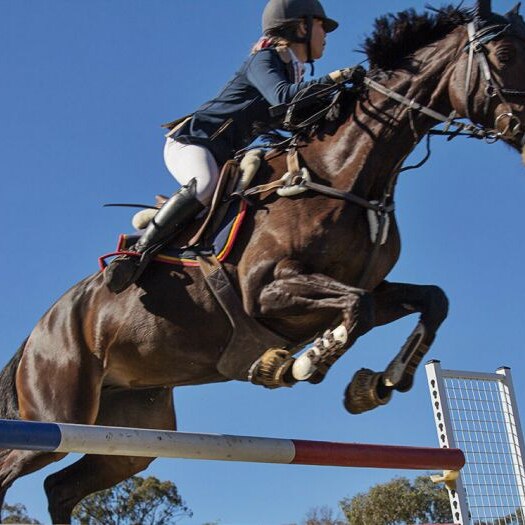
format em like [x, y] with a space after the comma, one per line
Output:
[349, 74]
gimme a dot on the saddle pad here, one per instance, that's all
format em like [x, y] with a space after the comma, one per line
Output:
[220, 244]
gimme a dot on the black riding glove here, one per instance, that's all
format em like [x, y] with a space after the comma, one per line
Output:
[356, 75]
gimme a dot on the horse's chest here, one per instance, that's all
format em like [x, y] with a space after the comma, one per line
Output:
[349, 249]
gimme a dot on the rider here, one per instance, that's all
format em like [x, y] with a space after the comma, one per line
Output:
[294, 32]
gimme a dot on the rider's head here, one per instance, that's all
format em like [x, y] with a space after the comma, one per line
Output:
[302, 23]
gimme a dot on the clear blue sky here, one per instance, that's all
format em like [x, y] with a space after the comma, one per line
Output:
[84, 88]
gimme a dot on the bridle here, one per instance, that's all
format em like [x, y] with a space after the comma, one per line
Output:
[477, 51]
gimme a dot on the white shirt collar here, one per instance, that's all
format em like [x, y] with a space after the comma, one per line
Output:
[298, 66]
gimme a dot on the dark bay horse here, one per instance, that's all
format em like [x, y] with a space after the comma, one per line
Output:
[302, 264]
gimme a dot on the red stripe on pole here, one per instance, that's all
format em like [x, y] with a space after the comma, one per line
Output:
[376, 456]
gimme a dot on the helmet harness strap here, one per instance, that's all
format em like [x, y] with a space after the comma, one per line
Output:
[309, 28]
[309, 20]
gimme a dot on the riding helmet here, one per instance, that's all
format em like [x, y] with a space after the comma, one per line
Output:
[279, 12]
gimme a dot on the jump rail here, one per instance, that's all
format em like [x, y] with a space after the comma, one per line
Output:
[120, 441]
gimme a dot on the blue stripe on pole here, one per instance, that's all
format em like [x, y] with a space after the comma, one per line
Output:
[30, 435]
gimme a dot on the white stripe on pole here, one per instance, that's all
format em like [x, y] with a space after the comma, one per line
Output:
[154, 443]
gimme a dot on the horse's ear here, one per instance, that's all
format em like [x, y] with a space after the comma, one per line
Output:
[484, 9]
[515, 11]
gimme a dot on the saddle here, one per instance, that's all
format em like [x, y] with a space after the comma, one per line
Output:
[215, 231]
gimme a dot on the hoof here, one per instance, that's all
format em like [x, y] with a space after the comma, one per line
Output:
[366, 392]
[273, 369]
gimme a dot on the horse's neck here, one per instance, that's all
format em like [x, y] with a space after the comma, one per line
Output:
[381, 133]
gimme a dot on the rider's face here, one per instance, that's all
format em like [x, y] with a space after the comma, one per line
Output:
[318, 39]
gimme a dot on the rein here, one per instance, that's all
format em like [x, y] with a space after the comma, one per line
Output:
[465, 128]
[476, 48]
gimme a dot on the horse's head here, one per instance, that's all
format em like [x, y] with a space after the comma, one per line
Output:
[488, 85]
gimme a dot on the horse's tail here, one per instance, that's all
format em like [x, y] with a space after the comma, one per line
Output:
[8, 394]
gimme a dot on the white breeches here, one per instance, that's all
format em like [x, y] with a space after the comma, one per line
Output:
[188, 161]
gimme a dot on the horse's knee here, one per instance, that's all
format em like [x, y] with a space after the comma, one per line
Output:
[361, 314]
[436, 310]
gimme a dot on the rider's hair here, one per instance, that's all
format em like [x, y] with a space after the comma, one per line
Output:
[283, 35]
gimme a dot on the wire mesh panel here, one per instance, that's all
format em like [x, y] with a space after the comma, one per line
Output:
[477, 413]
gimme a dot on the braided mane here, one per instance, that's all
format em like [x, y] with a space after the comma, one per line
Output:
[396, 36]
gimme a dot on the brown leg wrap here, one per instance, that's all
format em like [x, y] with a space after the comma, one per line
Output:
[272, 369]
[366, 392]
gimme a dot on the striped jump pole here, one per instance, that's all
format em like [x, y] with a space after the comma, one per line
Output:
[120, 441]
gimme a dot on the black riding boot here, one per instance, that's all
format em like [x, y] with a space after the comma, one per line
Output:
[123, 271]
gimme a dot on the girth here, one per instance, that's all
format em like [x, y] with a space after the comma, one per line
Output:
[250, 339]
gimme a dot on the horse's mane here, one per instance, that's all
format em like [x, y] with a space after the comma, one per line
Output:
[396, 36]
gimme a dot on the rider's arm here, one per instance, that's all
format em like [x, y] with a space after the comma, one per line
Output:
[267, 72]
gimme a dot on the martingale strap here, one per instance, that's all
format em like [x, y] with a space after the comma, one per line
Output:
[468, 128]
[323, 189]
[249, 339]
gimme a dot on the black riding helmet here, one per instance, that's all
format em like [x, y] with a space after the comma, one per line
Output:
[278, 13]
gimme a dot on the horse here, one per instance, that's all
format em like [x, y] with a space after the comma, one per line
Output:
[302, 264]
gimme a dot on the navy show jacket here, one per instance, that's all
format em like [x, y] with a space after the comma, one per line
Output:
[225, 124]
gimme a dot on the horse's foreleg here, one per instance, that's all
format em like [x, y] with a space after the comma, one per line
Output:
[432, 303]
[296, 294]
[393, 301]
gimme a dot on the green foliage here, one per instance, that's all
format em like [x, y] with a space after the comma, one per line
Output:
[17, 513]
[136, 501]
[399, 502]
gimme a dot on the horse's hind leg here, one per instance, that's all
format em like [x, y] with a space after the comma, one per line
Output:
[92, 473]
[55, 381]
[17, 463]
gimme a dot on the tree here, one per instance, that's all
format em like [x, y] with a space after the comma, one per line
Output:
[17, 513]
[399, 502]
[135, 501]
[322, 516]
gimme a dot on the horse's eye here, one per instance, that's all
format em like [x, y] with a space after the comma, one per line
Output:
[505, 53]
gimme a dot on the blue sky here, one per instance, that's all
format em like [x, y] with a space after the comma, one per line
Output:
[85, 86]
